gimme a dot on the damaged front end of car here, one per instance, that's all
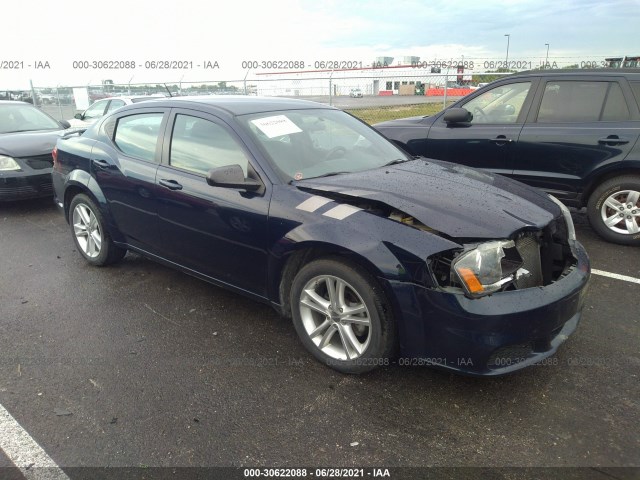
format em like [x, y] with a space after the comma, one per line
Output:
[481, 305]
[505, 304]
[530, 258]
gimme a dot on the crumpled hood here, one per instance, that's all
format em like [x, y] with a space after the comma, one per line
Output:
[29, 144]
[458, 201]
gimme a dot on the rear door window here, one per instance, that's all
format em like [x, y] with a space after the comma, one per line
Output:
[582, 102]
[137, 135]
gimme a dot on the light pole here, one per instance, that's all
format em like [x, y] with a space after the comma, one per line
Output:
[546, 60]
[506, 63]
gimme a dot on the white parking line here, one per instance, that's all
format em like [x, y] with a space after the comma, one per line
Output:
[615, 275]
[24, 452]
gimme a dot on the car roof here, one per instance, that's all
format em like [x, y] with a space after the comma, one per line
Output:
[15, 102]
[613, 72]
[132, 97]
[237, 104]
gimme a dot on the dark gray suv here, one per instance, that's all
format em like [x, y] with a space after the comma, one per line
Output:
[572, 133]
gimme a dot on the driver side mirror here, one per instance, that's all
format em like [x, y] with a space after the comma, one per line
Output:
[458, 115]
[65, 124]
[231, 176]
[78, 116]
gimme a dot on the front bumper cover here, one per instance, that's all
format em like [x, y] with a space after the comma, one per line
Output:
[493, 335]
[25, 184]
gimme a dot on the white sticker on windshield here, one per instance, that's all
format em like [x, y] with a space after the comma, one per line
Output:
[276, 126]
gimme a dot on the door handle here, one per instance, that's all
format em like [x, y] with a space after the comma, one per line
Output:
[613, 140]
[101, 163]
[501, 140]
[170, 184]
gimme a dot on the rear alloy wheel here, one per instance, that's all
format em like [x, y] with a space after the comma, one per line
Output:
[614, 210]
[339, 313]
[89, 234]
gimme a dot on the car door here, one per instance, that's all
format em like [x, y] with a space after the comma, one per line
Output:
[124, 165]
[215, 231]
[488, 140]
[577, 126]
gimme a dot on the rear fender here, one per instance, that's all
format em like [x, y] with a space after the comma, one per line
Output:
[610, 170]
[79, 181]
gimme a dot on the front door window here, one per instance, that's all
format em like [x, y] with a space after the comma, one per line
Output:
[500, 105]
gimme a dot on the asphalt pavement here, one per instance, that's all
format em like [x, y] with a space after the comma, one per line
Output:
[137, 365]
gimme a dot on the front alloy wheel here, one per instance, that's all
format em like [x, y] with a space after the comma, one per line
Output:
[335, 317]
[342, 315]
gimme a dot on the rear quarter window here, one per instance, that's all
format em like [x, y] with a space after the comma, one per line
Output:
[615, 107]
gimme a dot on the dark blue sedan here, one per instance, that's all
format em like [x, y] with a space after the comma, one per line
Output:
[374, 254]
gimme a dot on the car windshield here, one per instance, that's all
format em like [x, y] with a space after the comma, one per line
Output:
[304, 144]
[24, 118]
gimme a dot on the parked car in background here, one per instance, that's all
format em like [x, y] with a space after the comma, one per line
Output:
[572, 133]
[305, 208]
[355, 93]
[27, 136]
[100, 108]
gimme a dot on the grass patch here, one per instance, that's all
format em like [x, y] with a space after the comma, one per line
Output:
[381, 114]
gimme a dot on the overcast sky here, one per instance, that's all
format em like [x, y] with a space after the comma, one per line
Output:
[60, 32]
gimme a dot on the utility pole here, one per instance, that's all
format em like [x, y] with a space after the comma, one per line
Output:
[506, 63]
[546, 60]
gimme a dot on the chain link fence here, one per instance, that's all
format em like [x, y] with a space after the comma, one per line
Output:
[371, 97]
[374, 94]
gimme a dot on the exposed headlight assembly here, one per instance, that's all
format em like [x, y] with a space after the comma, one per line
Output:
[488, 267]
[8, 164]
[571, 230]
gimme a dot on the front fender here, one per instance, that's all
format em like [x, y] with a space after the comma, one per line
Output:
[386, 248]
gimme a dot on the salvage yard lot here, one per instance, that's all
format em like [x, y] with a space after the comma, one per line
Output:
[140, 365]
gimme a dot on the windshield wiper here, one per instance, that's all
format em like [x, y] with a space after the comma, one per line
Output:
[330, 174]
[396, 162]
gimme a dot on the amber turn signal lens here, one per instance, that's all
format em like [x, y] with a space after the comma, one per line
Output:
[473, 284]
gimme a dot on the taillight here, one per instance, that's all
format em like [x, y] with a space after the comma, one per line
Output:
[54, 154]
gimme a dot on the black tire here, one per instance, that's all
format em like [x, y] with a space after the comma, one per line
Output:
[615, 188]
[81, 208]
[363, 289]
